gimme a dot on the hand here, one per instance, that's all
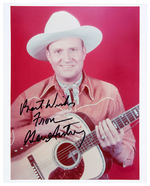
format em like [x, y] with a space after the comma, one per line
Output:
[61, 125]
[107, 135]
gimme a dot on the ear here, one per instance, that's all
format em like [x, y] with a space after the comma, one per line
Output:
[84, 52]
[48, 55]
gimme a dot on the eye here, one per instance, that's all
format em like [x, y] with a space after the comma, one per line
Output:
[73, 49]
[58, 51]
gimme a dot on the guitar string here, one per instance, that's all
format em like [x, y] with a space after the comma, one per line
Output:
[95, 140]
[116, 121]
[61, 151]
[65, 149]
[84, 148]
[127, 113]
[63, 157]
[76, 142]
[70, 145]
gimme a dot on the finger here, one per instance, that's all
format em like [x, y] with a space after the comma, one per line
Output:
[103, 142]
[101, 131]
[121, 133]
[116, 137]
[97, 132]
[115, 133]
[98, 135]
[107, 132]
[112, 129]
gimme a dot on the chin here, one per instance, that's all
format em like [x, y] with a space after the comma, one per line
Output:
[68, 74]
[68, 77]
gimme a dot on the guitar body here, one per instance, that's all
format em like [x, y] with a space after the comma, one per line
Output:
[42, 161]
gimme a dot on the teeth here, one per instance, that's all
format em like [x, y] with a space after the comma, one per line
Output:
[66, 65]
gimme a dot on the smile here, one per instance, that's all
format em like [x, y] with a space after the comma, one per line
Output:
[66, 66]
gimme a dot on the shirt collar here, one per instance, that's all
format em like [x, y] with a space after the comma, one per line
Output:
[52, 84]
[85, 86]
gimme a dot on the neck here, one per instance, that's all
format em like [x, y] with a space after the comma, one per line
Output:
[69, 81]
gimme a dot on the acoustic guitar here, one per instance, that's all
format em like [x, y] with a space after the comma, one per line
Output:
[64, 159]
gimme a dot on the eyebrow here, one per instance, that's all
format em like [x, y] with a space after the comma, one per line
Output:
[82, 44]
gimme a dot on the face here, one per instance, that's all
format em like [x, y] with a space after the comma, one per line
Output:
[66, 57]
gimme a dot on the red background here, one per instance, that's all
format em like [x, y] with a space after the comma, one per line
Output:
[116, 60]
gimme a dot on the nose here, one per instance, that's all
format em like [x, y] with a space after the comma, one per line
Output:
[66, 56]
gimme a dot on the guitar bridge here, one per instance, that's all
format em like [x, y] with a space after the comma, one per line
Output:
[36, 168]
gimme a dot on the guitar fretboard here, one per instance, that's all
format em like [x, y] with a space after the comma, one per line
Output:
[119, 122]
[126, 118]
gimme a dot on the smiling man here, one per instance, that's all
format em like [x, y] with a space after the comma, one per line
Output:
[66, 57]
[65, 45]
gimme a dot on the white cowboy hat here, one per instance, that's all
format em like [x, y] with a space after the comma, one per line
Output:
[62, 24]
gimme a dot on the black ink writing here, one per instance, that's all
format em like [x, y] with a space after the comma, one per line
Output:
[41, 121]
[32, 137]
[27, 107]
[40, 104]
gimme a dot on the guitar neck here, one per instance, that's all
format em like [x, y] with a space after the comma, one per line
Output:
[126, 118]
[119, 122]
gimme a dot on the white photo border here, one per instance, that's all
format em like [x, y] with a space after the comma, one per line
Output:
[5, 76]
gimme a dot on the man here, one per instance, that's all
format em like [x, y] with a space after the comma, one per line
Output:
[65, 44]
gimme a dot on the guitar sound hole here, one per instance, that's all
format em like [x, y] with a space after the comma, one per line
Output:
[68, 155]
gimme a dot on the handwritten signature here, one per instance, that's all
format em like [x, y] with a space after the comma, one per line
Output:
[32, 137]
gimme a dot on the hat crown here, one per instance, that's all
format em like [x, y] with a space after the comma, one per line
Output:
[60, 25]
[61, 21]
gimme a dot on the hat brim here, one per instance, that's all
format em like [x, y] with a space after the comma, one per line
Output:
[90, 35]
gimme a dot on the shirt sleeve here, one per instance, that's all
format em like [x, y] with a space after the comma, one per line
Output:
[19, 117]
[124, 154]
[21, 122]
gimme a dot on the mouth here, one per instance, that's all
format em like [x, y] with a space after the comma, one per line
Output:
[66, 66]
